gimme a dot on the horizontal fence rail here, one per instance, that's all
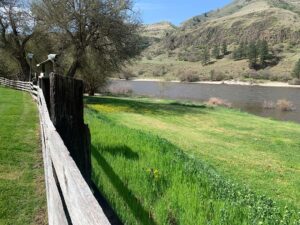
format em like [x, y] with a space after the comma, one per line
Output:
[69, 198]
[21, 85]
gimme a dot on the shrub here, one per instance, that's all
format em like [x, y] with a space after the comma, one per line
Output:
[269, 105]
[218, 102]
[188, 76]
[204, 78]
[160, 71]
[171, 54]
[216, 75]
[158, 52]
[251, 74]
[181, 56]
[261, 75]
[141, 72]
[274, 77]
[192, 57]
[189, 56]
[122, 91]
[285, 105]
[284, 77]
[126, 74]
[7, 69]
[296, 71]
[264, 75]
[230, 77]
[295, 81]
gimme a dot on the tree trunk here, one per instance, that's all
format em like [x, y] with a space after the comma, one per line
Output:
[91, 92]
[25, 68]
[73, 68]
[76, 63]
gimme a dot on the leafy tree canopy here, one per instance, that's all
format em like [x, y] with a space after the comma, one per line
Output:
[109, 28]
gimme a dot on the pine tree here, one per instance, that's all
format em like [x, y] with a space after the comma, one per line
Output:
[224, 48]
[263, 51]
[296, 71]
[235, 53]
[205, 56]
[240, 52]
[244, 50]
[216, 52]
[252, 55]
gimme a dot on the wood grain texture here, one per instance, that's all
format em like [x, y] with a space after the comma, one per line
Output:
[56, 214]
[66, 113]
[82, 206]
[61, 170]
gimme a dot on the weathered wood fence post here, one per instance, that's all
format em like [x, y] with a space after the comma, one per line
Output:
[66, 112]
[44, 84]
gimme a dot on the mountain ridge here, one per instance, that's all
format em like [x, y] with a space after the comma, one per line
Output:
[256, 19]
[177, 50]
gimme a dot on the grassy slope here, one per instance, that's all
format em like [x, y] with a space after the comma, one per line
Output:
[22, 199]
[257, 152]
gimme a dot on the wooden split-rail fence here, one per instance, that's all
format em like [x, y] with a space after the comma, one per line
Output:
[69, 198]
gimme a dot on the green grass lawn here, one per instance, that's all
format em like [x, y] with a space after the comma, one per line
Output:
[22, 197]
[159, 162]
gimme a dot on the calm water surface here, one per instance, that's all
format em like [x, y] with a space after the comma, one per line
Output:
[247, 98]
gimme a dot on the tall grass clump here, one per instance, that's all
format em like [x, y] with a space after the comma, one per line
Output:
[188, 76]
[120, 91]
[148, 180]
[285, 105]
[218, 102]
[268, 105]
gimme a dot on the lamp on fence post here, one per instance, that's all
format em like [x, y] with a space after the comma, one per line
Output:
[48, 66]
[30, 57]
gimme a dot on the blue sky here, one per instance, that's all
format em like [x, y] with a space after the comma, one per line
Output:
[175, 11]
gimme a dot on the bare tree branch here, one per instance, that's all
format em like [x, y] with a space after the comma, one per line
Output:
[16, 28]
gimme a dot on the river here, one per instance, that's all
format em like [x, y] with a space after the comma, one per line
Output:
[247, 98]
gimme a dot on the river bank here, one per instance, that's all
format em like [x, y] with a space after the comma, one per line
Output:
[228, 82]
[249, 98]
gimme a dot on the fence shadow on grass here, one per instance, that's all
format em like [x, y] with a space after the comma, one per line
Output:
[107, 209]
[140, 107]
[122, 150]
[137, 209]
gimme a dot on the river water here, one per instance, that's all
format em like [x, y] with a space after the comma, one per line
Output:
[247, 98]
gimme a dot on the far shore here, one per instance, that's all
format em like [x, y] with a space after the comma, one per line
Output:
[227, 82]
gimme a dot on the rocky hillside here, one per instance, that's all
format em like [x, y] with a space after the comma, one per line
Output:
[176, 49]
[158, 30]
[276, 21]
[154, 33]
